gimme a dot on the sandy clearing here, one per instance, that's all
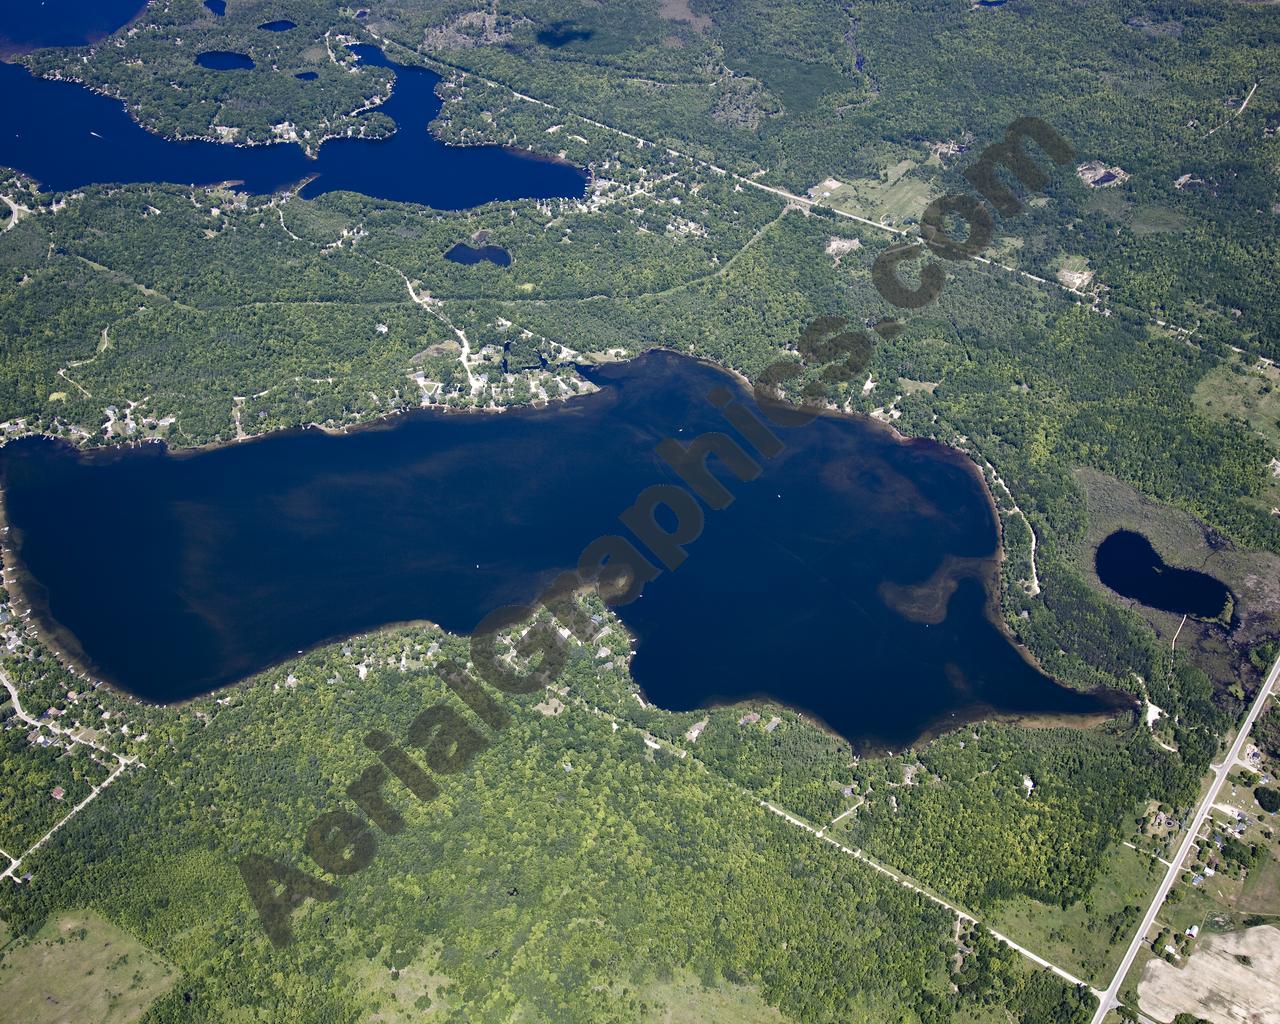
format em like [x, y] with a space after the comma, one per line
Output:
[1217, 986]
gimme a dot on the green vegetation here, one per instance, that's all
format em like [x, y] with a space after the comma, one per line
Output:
[1260, 893]
[807, 90]
[684, 1000]
[969, 825]
[634, 884]
[896, 197]
[572, 873]
[32, 773]
[80, 967]
[1089, 937]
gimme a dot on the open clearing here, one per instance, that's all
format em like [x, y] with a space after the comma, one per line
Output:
[1261, 892]
[683, 1000]
[81, 969]
[1251, 394]
[1230, 979]
[895, 199]
[416, 992]
[1080, 938]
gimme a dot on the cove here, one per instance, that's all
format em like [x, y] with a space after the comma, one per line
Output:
[28, 24]
[67, 137]
[1127, 563]
[175, 574]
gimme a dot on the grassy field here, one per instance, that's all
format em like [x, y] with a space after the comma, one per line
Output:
[1192, 906]
[1253, 576]
[417, 992]
[1148, 219]
[1261, 891]
[799, 84]
[1250, 393]
[1079, 938]
[81, 969]
[1129, 988]
[1151, 220]
[683, 1000]
[899, 197]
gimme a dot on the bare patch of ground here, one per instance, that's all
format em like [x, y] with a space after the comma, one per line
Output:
[1075, 273]
[551, 706]
[679, 10]
[470, 30]
[838, 247]
[1076, 280]
[1230, 979]
[1096, 174]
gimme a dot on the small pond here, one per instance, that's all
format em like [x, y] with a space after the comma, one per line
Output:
[224, 60]
[1128, 564]
[469, 255]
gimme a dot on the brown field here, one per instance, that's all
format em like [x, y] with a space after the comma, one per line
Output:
[1230, 979]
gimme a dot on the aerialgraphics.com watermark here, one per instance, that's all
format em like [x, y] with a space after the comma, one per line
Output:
[665, 519]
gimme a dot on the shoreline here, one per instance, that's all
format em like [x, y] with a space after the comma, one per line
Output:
[8, 48]
[309, 147]
[64, 646]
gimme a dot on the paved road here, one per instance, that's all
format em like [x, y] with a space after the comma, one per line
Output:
[1108, 1000]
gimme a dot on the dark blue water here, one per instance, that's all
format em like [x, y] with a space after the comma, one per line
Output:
[68, 137]
[223, 562]
[278, 26]
[1128, 564]
[224, 60]
[306, 76]
[218, 7]
[470, 255]
[27, 24]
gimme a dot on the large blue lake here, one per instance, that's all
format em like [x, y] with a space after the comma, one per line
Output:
[25, 24]
[852, 579]
[67, 137]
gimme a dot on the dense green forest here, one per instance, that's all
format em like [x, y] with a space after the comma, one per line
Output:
[812, 89]
[568, 868]
[968, 824]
